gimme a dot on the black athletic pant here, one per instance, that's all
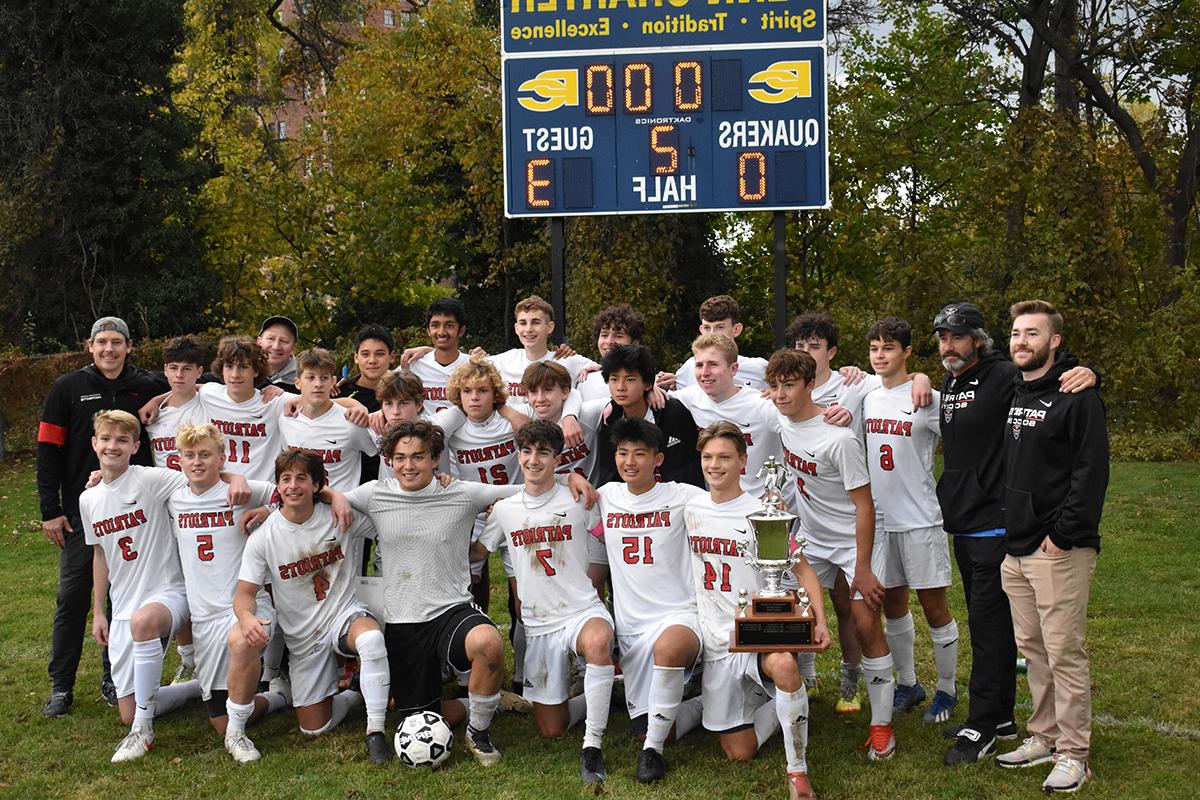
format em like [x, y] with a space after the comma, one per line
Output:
[993, 685]
[70, 616]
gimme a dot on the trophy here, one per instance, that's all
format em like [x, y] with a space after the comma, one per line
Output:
[775, 619]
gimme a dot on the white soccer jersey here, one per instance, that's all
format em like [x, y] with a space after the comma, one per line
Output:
[338, 441]
[312, 569]
[128, 518]
[594, 387]
[850, 398]
[252, 431]
[171, 419]
[646, 543]
[512, 365]
[483, 452]
[751, 372]
[826, 462]
[211, 542]
[425, 535]
[754, 414]
[550, 544]
[434, 377]
[714, 530]
[900, 443]
[578, 459]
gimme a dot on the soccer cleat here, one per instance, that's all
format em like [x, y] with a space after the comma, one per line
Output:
[379, 750]
[969, 748]
[183, 673]
[108, 690]
[1030, 753]
[849, 703]
[510, 701]
[480, 745]
[812, 688]
[58, 704]
[908, 697]
[651, 766]
[1067, 776]
[591, 765]
[136, 744]
[941, 708]
[1005, 731]
[242, 749]
[798, 787]
[881, 744]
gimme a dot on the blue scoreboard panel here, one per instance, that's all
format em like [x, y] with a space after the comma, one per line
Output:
[712, 125]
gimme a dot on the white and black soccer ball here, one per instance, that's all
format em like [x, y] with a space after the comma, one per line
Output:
[423, 740]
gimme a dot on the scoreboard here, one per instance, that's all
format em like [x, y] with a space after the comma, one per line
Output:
[645, 106]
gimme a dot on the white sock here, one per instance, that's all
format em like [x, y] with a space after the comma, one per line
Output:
[518, 646]
[688, 717]
[374, 677]
[175, 695]
[945, 655]
[147, 677]
[273, 655]
[481, 709]
[576, 710]
[463, 678]
[187, 654]
[597, 689]
[808, 666]
[766, 720]
[239, 715]
[880, 688]
[342, 703]
[275, 701]
[901, 635]
[666, 690]
[792, 711]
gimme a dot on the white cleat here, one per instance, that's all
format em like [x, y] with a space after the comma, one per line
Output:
[242, 749]
[134, 746]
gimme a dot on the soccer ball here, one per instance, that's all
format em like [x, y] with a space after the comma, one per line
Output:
[423, 740]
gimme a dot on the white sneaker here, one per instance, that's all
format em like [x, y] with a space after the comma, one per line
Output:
[1030, 753]
[282, 685]
[135, 745]
[242, 749]
[1067, 776]
[511, 701]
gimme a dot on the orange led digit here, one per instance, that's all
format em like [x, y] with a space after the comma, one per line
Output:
[643, 103]
[670, 151]
[753, 189]
[681, 67]
[533, 183]
[599, 98]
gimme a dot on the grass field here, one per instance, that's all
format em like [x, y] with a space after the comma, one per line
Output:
[1144, 641]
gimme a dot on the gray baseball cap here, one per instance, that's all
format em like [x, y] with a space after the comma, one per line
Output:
[110, 324]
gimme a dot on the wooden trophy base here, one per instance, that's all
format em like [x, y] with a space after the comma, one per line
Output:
[773, 625]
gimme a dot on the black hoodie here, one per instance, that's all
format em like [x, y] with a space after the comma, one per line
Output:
[1056, 448]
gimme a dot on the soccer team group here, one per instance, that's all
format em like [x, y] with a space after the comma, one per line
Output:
[617, 496]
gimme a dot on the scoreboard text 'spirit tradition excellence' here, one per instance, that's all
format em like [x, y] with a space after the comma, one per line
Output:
[650, 106]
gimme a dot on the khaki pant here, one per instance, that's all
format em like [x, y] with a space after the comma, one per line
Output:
[1049, 596]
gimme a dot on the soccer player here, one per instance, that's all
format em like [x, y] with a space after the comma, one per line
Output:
[629, 371]
[400, 396]
[534, 322]
[612, 327]
[837, 517]
[900, 443]
[184, 358]
[374, 356]
[277, 337]
[125, 520]
[446, 322]
[721, 315]
[654, 600]
[1055, 478]
[430, 620]
[747, 696]
[65, 459]
[210, 542]
[312, 567]
[321, 425]
[547, 386]
[548, 534]
[252, 429]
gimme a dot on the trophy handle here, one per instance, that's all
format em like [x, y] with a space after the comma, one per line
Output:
[743, 548]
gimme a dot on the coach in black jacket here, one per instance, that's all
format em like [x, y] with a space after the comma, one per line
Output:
[64, 461]
[629, 372]
[1056, 476]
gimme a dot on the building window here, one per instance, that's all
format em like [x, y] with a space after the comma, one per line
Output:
[282, 129]
[389, 18]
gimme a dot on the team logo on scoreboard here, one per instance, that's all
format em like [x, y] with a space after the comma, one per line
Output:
[554, 88]
[785, 80]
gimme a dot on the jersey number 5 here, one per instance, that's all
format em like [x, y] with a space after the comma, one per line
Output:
[204, 547]
[630, 552]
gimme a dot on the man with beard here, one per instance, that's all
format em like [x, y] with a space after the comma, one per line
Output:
[1057, 473]
[976, 395]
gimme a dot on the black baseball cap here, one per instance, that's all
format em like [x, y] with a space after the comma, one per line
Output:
[959, 318]
[284, 321]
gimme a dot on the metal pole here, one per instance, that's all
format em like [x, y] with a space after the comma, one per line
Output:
[780, 249]
[558, 286]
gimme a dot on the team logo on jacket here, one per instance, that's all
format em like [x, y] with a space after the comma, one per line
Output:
[947, 410]
[1016, 429]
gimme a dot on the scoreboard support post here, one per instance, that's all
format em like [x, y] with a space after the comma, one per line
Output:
[780, 252]
[558, 284]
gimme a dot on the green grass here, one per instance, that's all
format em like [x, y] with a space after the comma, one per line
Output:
[1143, 636]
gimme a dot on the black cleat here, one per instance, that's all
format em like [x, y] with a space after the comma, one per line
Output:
[378, 749]
[651, 766]
[480, 745]
[1005, 731]
[108, 691]
[58, 705]
[591, 765]
[970, 747]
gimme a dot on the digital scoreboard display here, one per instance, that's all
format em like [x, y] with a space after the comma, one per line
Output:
[645, 107]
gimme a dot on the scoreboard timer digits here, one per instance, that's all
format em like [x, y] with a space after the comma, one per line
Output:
[704, 130]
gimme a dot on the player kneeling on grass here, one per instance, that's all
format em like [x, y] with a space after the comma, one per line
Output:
[125, 519]
[549, 541]
[747, 696]
[311, 566]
